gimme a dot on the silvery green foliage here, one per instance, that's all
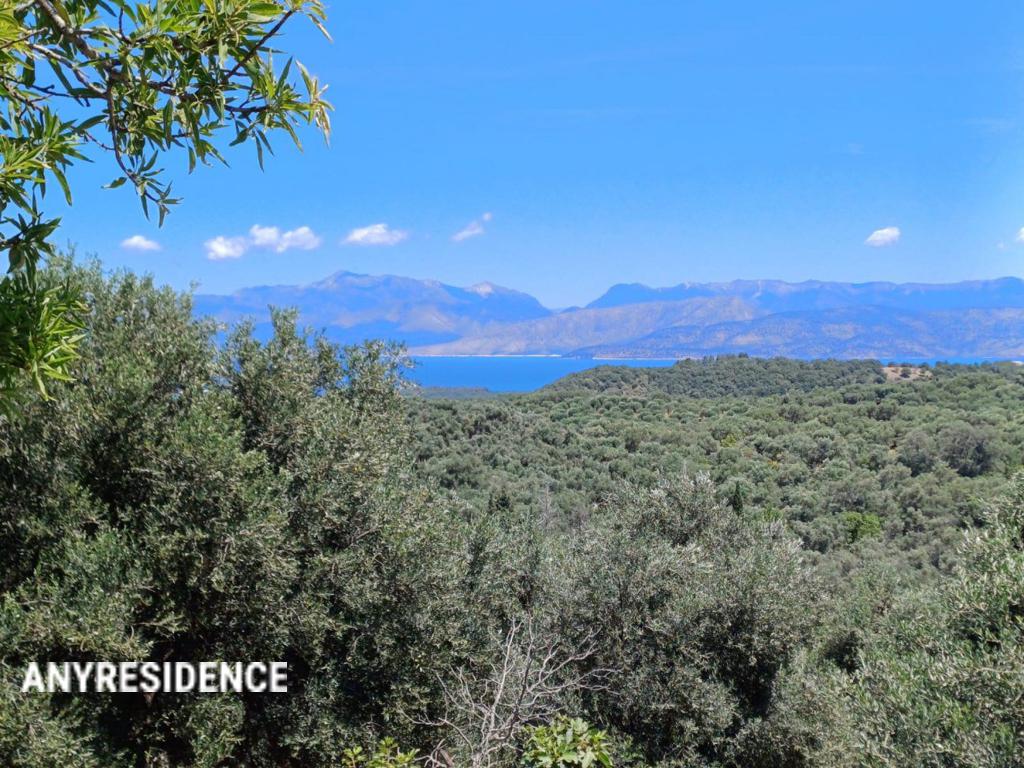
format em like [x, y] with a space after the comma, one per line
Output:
[942, 684]
[258, 500]
[180, 503]
[706, 619]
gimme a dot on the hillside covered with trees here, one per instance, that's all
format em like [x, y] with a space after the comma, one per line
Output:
[854, 458]
[714, 569]
[727, 563]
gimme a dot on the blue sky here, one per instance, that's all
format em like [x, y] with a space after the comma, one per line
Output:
[654, 142]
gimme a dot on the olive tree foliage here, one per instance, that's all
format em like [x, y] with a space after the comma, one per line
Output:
[183, 502]
[707, 626]
[942, 684]
[259, 500]
[132, 81]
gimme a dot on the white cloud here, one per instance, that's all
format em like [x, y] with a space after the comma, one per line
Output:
[301, 238]
[376, 234]
[264, 237]
[220, 247]
[882, 237]
[475, 228]
[1020, 235]
[271, 238]
[140, 243]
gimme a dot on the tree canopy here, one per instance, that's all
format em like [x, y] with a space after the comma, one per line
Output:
[132, 81]
[195, 497]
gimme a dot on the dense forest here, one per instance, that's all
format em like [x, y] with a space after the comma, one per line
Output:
[861, 462]
[728, 563]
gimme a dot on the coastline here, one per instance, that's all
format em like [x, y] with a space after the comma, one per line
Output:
[415, 354]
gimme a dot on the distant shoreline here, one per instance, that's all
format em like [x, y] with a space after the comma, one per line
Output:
[544, 357]
[420, 354]
[882, 361]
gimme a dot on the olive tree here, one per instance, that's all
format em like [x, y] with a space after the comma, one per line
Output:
[188, 500]
[132, 81]
[941, 685]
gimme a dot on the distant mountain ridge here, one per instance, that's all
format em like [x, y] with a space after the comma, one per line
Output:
[780, 296]
[848, 333]
[980, 319]
[565, 332]
[351, 307]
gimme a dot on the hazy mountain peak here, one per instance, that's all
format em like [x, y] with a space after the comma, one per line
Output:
[780, 295]
[352, 307]
[978, 318]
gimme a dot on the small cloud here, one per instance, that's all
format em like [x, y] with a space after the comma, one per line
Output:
[482, 289]
[376, 234]
[220, 247]
[883, 237]
[475, 228]
[1020, 235]
[264, 237]
[301, 238]
[270, 238]
[140, 243]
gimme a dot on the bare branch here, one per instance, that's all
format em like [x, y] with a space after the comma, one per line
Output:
[530, 680]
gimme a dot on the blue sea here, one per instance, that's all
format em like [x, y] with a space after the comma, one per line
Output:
[525, 374]
[507, 374]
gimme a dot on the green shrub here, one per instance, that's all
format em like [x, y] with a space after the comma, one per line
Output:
[566, 742]
[941, 685]
[862, 525]
[386, 755]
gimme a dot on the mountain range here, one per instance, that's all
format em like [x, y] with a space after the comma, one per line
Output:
[351, 308]
[981, 319]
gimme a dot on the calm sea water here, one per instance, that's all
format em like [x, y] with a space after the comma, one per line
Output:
[507, 374]
[525, 374]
